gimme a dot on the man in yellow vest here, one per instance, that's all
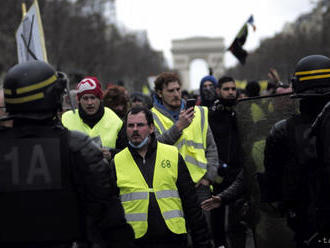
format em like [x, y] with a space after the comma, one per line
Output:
[92, 118]
[187, 129]
[156, 189]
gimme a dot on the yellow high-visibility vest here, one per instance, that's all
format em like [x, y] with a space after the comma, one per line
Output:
[134, 190]
[107, 128]
[192, 143]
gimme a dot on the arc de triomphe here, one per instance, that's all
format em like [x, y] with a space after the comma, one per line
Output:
[184, 51]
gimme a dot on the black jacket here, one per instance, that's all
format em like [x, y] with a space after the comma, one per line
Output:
[91, 180]
[157, 229]
[290, 154]
[223, 124]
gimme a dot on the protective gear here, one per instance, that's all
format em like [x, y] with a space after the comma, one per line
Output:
[134, 191]
[37, 193]
[48, 199]
[33, 90]
[290, 161]
[312, 76]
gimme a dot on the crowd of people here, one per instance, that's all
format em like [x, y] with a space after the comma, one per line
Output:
[95, 168]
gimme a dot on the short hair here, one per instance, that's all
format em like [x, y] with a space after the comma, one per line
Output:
[186, 93]
[165, 78]
[138, 109]
[137, 96]
[252, 89]
[225, 79]
[140, 97]
[115, 95]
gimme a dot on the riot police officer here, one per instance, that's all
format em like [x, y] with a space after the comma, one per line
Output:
[290, 152]
[53, 182]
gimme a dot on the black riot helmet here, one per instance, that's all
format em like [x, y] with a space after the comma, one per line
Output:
[312, 76]
[33, 90]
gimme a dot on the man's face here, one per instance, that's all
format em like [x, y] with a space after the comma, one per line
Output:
[137, 128]
[136, 103]
[90, 103]
[209, 92]
[171, 95]
[120, 109]
[208, 85]
[227, 90]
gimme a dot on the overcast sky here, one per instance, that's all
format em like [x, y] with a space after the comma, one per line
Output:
[165, 20]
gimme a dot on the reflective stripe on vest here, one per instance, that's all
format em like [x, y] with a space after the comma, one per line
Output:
[134, 196]
[172, 214]
[136, 217]
[134, 191]
[167, 194]
[143, 216]
[144, 195]
[192, 143]
[107, 128]
[184, 142]
[192, 160]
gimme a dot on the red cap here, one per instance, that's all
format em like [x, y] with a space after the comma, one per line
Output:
[89, 85]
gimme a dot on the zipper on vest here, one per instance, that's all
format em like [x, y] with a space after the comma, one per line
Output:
[144, 161]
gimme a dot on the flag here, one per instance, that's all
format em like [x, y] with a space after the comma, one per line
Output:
[30, 36]
[251, 22]
[236, 46]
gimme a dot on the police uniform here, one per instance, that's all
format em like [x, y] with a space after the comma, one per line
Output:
[290, 151]
[52, 181]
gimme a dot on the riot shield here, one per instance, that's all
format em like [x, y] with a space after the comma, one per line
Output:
[256, 116]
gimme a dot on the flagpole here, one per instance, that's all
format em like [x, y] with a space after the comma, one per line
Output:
[23, 10]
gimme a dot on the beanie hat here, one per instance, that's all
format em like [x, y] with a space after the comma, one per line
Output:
[209, 78]
[89, 85]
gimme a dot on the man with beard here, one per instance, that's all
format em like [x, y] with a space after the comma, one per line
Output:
[188, 129]
[156, 189]
[92, 118]
[207, 90]
[229, 187]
